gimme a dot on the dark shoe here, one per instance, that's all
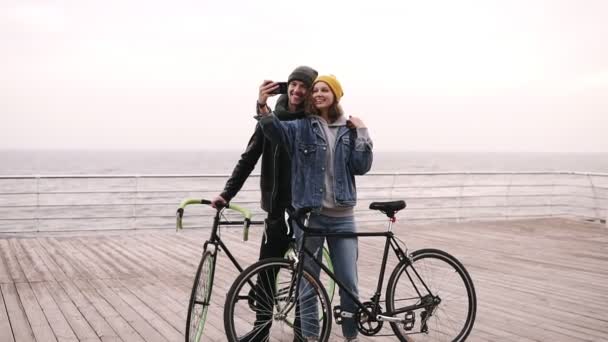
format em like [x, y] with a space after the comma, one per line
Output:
[258, 334]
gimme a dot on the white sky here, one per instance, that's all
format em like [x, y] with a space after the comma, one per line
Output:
[424, 75]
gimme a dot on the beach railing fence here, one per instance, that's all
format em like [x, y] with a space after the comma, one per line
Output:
[59, 203]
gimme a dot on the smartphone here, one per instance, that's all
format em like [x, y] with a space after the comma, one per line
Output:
[282, 89]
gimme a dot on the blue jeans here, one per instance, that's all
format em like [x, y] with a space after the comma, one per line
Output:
[344, 253]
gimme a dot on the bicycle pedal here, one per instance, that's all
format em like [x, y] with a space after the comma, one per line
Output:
[338, 314]
[409, 320]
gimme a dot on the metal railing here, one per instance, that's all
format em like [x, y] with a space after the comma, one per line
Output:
[117, 202]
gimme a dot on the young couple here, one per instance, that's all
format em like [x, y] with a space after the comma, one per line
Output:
[311, 152]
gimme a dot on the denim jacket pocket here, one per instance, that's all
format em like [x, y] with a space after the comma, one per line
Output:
[306, 151]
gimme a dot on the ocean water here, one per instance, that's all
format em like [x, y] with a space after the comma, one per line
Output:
[53, 162]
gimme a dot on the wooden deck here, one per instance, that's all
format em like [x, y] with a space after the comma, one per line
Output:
[536, 280]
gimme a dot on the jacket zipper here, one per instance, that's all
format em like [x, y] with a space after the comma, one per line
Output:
[275, 176]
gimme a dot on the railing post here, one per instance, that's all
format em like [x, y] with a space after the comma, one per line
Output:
[37, 211]
[551, 214]
[135, 194]
[465, 176]
[508, 195]
[596, 205]
[393, 185]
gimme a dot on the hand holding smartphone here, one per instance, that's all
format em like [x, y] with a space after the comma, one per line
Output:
[269, 88]
[281, 89]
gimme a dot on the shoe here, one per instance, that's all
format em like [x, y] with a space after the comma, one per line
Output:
[256, 335]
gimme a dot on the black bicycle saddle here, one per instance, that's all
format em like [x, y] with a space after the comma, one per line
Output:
[389, 208]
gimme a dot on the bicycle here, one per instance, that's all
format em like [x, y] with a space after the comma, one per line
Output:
[420, 298]
[200, 297]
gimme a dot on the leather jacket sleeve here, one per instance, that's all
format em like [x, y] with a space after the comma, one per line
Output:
[245, 165]
[279, 132]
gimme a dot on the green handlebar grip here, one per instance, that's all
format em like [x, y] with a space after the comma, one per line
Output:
[246, 229]
[180, 211]
[247, 214]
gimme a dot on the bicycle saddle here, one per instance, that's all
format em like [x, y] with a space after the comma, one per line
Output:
[389, 208]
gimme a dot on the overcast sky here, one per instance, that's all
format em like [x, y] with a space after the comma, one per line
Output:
[423, 75]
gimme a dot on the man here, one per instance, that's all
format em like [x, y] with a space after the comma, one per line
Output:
[275, 179]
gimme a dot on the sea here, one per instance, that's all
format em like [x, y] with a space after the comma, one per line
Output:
[142, 162]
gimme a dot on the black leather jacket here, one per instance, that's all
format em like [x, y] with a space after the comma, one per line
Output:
[275, 179]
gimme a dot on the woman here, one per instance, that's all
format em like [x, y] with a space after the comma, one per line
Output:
[327, 151]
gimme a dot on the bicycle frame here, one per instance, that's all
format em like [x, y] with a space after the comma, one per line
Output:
[216, 240]
[390, 242]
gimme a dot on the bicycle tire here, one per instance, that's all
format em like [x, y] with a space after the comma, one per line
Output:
[449, 281]
[274, 306]
[200, 298]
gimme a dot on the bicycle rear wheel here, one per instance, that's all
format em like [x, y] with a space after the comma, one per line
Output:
[200, 298]
[261, 305]
[434, 295]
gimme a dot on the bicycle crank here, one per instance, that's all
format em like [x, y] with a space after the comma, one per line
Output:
[367, 326]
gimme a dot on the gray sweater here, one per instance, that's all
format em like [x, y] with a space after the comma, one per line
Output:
[329, 201]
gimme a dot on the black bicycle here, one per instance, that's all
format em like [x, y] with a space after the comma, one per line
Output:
[429, 295]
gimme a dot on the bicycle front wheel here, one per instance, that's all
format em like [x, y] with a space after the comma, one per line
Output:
[328, 282]
[200, 298]
[262, 304]
[434, 296]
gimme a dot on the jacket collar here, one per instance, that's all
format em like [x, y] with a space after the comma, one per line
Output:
[281, 109]
[316, 123]
[341, 121]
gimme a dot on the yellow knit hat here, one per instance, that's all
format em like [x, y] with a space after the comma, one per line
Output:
[333, 84]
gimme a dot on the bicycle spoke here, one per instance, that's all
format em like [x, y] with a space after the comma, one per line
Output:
[200, 297]
[275, 309]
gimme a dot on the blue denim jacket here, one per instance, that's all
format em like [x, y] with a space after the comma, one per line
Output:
[306, 145]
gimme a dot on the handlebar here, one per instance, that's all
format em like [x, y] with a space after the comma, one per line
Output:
[246, 213]
[300, 216]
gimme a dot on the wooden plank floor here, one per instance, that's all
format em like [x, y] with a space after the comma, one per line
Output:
[536, 280]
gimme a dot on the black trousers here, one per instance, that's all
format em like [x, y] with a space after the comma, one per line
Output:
[277, 236]
[275, 243]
